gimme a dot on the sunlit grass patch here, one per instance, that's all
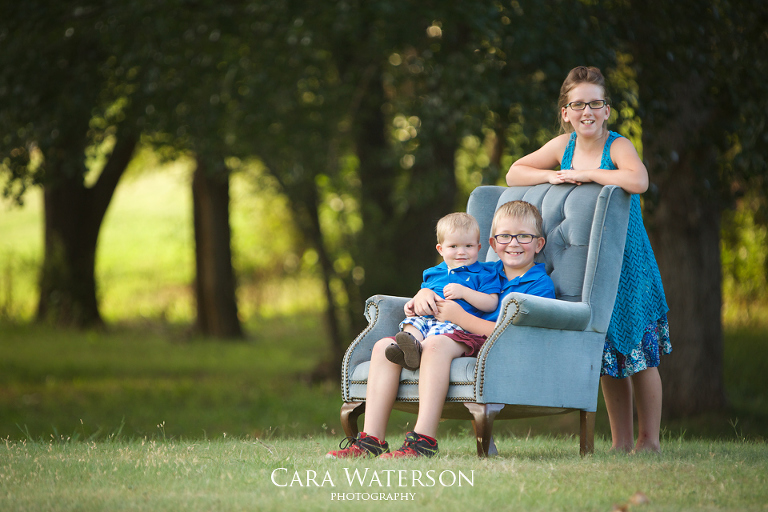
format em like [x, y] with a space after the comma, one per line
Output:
[145, 257]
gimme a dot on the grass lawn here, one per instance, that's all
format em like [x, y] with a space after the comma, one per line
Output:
[542, 473]
[86, 385]
[148, 418]
[156, 381]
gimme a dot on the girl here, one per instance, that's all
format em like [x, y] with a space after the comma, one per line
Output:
[588, 152]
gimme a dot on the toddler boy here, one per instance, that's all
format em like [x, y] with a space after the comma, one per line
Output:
[460, 277]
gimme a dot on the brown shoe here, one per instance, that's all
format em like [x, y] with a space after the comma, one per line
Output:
[406, 352]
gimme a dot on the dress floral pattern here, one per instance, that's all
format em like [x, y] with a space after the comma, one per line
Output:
[645, 355]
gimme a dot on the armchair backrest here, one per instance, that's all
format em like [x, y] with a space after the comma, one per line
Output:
[577, 220]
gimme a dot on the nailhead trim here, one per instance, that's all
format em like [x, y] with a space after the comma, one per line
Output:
[486, 348]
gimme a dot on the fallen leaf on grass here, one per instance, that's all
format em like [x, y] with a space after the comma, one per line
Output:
[639, 498]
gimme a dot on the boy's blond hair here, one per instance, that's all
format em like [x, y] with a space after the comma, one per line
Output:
[456, 222]
[519, 210]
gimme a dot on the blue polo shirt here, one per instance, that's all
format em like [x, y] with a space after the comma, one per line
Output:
[534, 282]
[479, 276]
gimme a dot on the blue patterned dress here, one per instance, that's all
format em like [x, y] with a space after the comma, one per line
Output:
[638, 332]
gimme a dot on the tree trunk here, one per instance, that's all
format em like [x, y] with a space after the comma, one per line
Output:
[215, 281]
[681, 122]
[686, 243]
[335, 331]
[305, 206]
[684, 228]
[383, 274]
[309, 222]
[67, 282]
[398, 241]
[73, 217]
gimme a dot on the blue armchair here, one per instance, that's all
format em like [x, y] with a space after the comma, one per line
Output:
[544, 356]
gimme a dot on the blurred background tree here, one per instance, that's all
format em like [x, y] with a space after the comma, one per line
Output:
[65, 93]
[703, 109]
[373, 119]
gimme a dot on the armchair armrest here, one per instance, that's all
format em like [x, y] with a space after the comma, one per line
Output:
[384, 314]
[534, 340]
[381, 308]
[532, 311]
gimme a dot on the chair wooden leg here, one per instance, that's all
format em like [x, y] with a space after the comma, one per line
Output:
[350, 412]
[587, 434]
[483, 415]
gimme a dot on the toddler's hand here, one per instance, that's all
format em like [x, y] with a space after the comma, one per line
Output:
[408, 308]
[454, 291]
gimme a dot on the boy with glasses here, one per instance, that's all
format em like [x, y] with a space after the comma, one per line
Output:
[517, 238]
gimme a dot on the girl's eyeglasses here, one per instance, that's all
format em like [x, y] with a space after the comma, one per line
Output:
[581, 105]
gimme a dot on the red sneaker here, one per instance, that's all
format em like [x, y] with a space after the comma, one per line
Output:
[415, 445]
[362, 446]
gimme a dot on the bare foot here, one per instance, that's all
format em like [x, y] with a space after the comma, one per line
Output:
[648, 446]
[624, 449]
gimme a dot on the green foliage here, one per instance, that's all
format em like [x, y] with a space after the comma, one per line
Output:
[361, 123]
[20, 249]
[63, 86]
[743, 249]
[700, 64]
[745, 380]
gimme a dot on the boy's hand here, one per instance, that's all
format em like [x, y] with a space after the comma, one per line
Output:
[454, 291]
[424, 302]
[408, 308]
[449, 311]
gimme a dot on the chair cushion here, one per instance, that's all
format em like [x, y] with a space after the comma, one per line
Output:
[461, 388]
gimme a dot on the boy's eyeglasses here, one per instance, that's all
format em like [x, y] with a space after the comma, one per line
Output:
[522, 238]
[581, 105]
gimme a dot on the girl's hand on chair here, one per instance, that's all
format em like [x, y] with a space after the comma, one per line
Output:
[555, 178]
[575, 177]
